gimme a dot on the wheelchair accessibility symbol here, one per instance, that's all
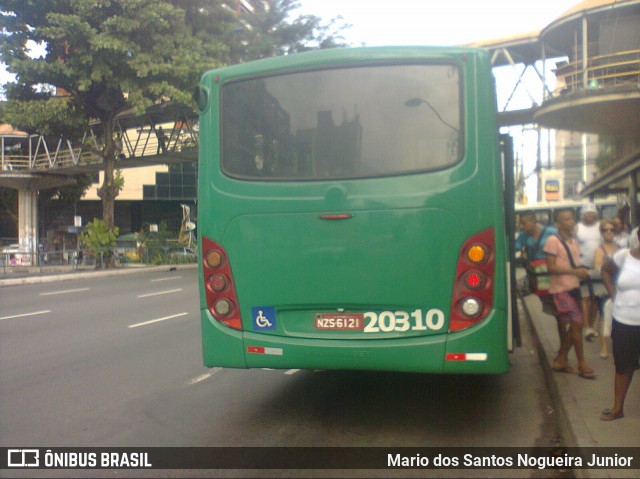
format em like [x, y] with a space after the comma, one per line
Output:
[264, 318]
[262, 321]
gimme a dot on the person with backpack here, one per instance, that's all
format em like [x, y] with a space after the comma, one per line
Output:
[530, 241]
[563, 263]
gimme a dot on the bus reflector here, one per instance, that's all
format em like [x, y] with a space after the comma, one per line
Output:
[472, 297]
[341, 216]
[466, 356]
[263, 350]
[219, 288]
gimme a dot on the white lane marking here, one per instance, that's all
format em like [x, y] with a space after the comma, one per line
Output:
[203, 377]
[65, 291]
[292, 371]
[159, 293]
[166, 279]
[157, 320]
[26, 314]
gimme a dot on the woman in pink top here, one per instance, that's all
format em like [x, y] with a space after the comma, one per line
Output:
[566, 274]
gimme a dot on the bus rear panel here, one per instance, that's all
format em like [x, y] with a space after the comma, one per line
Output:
[350, 213]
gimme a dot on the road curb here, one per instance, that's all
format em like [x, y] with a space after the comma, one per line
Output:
[564, 424]
[92, 274]
[573, 430]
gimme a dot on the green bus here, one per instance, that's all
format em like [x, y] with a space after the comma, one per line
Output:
[351, 213]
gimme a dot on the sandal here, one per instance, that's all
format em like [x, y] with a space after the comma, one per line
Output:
[564, 369]
[587, 374]
[607, 415]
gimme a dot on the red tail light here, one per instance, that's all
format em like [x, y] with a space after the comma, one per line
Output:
[222, 299]
[473, 288]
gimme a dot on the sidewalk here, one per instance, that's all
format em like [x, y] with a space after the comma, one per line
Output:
[580, 401]
[50, 274]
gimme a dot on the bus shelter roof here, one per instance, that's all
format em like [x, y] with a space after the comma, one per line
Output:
[523, 48]
[7, 130]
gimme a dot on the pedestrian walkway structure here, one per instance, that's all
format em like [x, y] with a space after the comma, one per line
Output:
[596, 81]
[165, 134]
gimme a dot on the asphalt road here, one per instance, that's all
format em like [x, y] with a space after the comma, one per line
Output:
[116, 362]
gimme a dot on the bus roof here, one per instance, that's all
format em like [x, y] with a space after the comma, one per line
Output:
[554, 205]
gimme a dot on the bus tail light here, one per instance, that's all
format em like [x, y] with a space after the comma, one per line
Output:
[474, 281]
[220, 291]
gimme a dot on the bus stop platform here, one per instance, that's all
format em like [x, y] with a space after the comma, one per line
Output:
[580, 401]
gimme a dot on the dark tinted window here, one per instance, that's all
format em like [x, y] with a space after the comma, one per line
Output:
[342, 123]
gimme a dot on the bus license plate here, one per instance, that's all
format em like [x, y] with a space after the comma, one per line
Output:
[339, 321]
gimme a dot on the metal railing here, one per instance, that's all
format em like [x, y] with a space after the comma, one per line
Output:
[19, 262]
[25, 262]
[621, 68]
[37, 152]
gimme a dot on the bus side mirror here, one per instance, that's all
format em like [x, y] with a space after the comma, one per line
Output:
[201, 97]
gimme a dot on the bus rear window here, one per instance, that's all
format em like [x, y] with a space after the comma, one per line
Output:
[342, 123]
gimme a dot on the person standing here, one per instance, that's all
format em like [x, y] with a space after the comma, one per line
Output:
[622, 234]
[162, 141]
[530, 241]
[588, 235]
[625, 332]
[563, 256]
[634, 239]
[532, 233]
[606, 250]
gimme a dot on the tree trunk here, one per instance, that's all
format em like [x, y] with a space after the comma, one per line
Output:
[109, 190]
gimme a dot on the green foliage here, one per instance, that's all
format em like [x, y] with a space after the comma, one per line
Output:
[118, 180]
[107, 55]
[103, 57]
[156, 244]
[53, 116]
[98, 238]
[160, 247]
[270, 29]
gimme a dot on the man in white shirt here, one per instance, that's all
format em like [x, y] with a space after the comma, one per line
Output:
[633, 239]
[588, 235]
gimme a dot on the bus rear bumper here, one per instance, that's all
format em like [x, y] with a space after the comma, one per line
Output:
[448, 354]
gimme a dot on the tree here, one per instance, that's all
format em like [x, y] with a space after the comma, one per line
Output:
[255, 29]
[107, 56]
[102, 57]
[100, 240]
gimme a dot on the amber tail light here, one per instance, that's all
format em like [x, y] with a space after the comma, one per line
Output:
[474, 281]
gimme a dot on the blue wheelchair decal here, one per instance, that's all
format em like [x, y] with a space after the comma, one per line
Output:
[264, 318]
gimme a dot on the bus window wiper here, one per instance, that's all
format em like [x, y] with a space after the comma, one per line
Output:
[414, 102]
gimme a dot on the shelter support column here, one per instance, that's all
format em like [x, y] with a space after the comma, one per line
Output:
[633, 196]
[28, 222]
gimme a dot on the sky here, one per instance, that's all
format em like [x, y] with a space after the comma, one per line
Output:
[436, 22]
[430, 22]
[455, 22]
